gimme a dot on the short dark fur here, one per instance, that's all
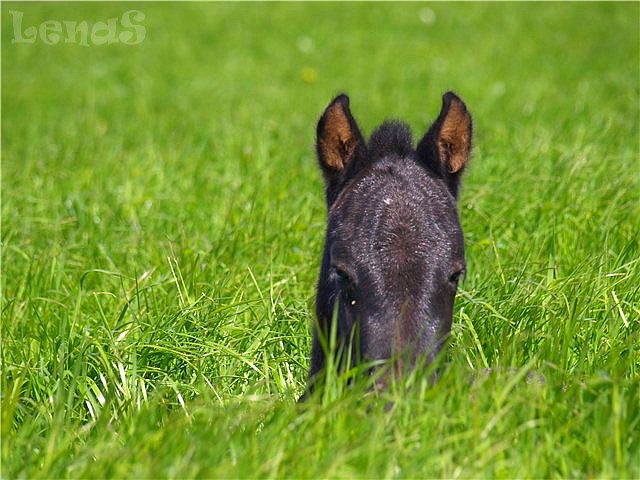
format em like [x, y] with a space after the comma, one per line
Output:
[394, 247]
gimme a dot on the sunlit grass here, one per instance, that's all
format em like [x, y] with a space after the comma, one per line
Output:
[162, 224]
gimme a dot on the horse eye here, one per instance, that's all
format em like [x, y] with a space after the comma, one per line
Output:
[345, 283]
[343, 277]
[455, 278]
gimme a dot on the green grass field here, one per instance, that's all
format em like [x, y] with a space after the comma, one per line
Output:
[162, 225]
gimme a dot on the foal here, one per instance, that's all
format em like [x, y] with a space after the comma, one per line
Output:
[394, 248]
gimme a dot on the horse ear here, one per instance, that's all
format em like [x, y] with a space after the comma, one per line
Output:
[338, 138]
[446, 147]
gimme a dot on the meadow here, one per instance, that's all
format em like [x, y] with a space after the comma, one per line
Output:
[162, 226]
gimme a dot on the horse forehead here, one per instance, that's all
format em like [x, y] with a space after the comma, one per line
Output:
[395, 209]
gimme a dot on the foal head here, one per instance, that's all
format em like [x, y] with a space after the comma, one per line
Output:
[394, 247]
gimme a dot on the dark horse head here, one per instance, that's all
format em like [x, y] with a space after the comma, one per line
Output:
[394, 248]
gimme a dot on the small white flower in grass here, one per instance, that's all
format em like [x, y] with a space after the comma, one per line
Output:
[427, 16]
[498, 89]
[305, 44]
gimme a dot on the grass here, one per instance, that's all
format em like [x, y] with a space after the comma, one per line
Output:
[162, 220]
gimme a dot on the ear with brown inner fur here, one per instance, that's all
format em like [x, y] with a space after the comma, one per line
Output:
[446, 147]
[339, 144]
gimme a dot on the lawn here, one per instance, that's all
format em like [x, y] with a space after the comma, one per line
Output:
[162, 226]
